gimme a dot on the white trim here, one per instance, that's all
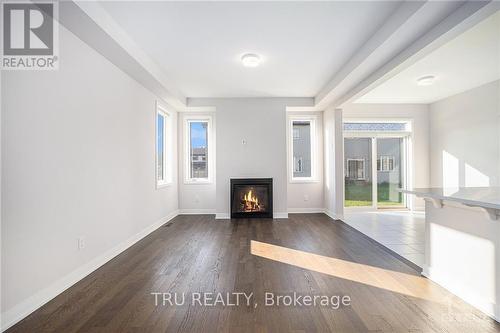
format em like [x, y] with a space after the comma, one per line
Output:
[333, 216]
[210, 149]
[280, 215]
[197, 211]
[303, 109]
[26, 307]
[197, 109]
[374, 173]
[305, 210]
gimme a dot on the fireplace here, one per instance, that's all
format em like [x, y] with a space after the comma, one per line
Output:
[252, 197]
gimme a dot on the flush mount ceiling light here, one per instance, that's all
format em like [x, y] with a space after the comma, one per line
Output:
[250, 60]
[426, 80]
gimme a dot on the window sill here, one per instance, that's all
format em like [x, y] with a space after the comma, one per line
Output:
[198, 182]
[162, 185]
[303, 181]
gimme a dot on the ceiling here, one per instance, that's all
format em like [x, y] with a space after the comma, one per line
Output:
[467, 61]
[199, 44]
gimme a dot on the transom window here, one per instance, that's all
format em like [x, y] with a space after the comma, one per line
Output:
[377, 126]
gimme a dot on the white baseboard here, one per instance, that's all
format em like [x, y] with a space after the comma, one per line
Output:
[196, 211]
[333, 215]
[280, 215]
[26, 307]
[305, 210]
[487, 307]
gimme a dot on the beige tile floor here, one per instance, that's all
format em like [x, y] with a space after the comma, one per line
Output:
[401, 231]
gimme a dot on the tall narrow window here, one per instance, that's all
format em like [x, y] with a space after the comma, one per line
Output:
[198, 150]
[162, 142]
[302, 148]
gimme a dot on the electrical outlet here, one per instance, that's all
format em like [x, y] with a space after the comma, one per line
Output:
[81, 243]
[306, 197]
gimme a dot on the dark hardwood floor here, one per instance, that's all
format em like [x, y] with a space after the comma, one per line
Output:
[309, 254]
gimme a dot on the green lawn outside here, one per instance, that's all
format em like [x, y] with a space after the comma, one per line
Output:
[360, 194]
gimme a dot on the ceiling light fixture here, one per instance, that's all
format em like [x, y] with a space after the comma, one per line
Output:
[250, 60]
[426, 80]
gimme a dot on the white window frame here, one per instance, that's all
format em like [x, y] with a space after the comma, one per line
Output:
[364, 168]
[312, 119]
[187, 120]
[167, 146]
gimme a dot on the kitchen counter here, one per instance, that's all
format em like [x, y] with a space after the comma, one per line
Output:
[487, 198]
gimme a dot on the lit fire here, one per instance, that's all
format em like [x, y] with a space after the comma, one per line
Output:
[250, 202]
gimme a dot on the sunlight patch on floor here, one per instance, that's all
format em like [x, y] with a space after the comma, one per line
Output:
[406, 284]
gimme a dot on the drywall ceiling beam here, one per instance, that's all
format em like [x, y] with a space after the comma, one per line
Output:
[462, 19]
[93, 25]
[347, 72]
[410, 28]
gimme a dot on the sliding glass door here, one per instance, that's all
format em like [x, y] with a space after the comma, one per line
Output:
[358, 172]
[374, 170]
[389, 172]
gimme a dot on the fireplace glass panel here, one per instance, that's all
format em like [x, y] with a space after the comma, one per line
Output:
[250, 199]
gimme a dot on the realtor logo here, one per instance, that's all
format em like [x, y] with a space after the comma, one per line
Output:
[29, 37]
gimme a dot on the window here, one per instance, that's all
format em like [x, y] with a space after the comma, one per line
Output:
[162, 143]
[356, 169]
[198, 150]
[302, 143]
[385, 163]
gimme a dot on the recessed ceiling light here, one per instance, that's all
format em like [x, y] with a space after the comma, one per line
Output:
[426, 80]
[250, 60]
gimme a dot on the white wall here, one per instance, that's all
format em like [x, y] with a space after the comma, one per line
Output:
[261, 122]
[78, 159]
[333, 163]
[419, 115]
[462, 254]
[465, 138]
[307, 196]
